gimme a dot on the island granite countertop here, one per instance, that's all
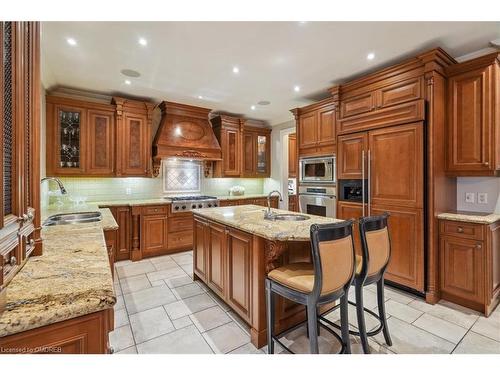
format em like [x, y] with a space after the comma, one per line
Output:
[250, 218]
[72, 278]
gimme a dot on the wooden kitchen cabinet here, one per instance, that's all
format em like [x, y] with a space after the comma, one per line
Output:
[469, 256]
[180, 231]
[292, 156]
[316, 133]
[350, 150]
[90, 138]
[293, 204]
[153, 231]
[473, 127]
[19, 148]
[133, 134]
[216, 259]
[228, 133]
[101, 143]
[200, 248]
[110, 239]
[348, 211]
[239, 271]
[256, 157]
[122, 244]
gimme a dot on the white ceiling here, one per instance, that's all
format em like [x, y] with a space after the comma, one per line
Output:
[186, 59]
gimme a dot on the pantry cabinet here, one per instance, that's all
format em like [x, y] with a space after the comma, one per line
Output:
[473, 128]
[97, 138]
[316, 134]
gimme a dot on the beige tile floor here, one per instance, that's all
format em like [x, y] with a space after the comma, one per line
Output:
[161, 310]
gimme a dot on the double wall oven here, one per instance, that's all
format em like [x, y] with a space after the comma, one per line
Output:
[317, 190]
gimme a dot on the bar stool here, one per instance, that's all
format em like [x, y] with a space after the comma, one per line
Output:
[370, 269]
[327, 279]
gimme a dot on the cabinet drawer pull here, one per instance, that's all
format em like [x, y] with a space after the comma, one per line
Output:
[486, 163]
[460, 230]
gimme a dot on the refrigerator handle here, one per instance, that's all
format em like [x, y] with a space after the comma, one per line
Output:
[369, 180]
[363, 180]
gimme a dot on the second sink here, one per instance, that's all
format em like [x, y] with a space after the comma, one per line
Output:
[73, 218]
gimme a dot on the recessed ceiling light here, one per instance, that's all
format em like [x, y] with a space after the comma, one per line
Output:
[200, 97]
[264, 102]
[130, 73]
[143, 42]
[252, 108]
[236, 70]
[71, 41]
[370, 56]
[127, 82]
[296, 88]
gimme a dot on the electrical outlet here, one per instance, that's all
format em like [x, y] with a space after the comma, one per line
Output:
[470, 197]
[482, 198]
[128, 191]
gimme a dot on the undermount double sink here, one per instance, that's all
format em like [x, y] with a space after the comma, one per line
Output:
[73, 218]
[287, 217]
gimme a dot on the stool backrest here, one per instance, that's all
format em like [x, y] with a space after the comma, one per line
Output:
[333, 256]
[375, 244]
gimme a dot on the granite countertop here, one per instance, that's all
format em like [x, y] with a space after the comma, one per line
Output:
[237, 197]
[250, 218]
[72, 278]
[470, 217]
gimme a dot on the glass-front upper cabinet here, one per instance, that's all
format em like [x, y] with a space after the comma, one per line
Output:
[66, 139]
[262, 154]
[69, 136]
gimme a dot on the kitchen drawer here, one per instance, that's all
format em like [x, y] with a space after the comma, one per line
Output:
[155, 210]
[462, 229]
[230, 202]
[180, 224]
[180, 240]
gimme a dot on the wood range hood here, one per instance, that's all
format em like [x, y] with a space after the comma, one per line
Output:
[184, 132]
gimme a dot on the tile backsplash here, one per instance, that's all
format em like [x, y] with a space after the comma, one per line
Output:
[129, 188]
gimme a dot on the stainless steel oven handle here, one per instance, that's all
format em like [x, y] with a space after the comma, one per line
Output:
[369, 181]
[363, 181]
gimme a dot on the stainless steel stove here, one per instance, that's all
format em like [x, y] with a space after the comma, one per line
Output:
[190, 202]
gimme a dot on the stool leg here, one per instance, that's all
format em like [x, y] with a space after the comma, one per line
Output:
[270, 317]
[344, 323]
[361, 318]
[312, 323]
[381, 311]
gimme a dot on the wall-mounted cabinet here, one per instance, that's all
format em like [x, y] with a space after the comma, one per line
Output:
[473, 128]
[246, 147]
[316, 129]
[292, 156]
[86, 138]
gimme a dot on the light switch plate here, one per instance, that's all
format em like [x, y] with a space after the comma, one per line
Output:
[470, 197]
[482, 198]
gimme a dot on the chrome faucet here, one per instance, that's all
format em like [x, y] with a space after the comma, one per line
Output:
[59, 183]
[268, 214]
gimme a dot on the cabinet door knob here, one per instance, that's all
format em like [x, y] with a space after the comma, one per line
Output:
[479, 245]
[460, 230]
[13, 261]
[486, 163]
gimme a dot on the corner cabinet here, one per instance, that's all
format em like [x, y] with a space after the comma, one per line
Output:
[473, 128]
[89, 138]
[227, 131]
[19, 148]
[316, 134]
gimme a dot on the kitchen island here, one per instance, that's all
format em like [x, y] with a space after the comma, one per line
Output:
[235, 248]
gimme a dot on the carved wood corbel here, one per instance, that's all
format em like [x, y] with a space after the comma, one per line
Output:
[273, 250]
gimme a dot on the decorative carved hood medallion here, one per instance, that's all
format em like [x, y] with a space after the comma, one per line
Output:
[184, 132]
